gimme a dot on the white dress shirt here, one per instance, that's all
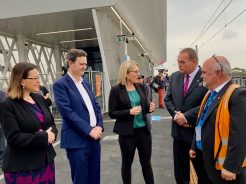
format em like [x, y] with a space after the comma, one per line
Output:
[87, 100]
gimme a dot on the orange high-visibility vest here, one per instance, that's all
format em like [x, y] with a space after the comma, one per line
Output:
[222, 127]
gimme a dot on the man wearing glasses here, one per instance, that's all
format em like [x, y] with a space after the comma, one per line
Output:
[220, 130]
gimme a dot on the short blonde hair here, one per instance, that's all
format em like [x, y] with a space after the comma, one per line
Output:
[19, 72]
[125, 68]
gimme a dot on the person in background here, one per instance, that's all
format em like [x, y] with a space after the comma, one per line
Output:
[147, 88]
[82, 122]
[220, 131]
[46, 94]
[183, 98]
[159, 79]
[2, 139]
[64, 70]
[148, 93]
[128, 104]
[166, 81]
[2, 95]
[44, 91]
[29, 129]
[141, 79]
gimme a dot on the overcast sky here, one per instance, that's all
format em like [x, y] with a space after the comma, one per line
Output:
[185, 20]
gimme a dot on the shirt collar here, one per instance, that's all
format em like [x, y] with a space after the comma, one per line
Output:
[75, 81]
[192, 74]
[220, 86]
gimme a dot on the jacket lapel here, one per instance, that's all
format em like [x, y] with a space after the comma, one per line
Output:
[180, 86]
[141, 94]
[125, 95]
[31, 113]
[40, 104]
[194, 82]
[216, 101]
[75, 89]
[89, 92]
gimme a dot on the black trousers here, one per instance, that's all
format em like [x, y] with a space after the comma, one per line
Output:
[128, 144]
[182, 162]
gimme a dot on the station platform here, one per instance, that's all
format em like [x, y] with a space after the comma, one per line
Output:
[162, 159]
[162, 162]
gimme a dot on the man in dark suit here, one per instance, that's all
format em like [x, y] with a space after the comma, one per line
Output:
[82, 120]
[220, 139]
[183, 99]
[2, 139]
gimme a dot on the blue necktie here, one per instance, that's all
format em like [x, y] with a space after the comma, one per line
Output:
[203, 115]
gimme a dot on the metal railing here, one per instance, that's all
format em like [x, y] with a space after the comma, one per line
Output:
[95, 78]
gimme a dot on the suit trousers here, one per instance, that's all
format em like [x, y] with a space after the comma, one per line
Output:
[181, 159]
[85, 163]
[128, 144]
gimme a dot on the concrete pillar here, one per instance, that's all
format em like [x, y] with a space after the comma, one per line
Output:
[57, 56]
[22, 47]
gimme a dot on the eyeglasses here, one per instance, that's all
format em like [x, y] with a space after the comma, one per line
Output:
[137, 72]
[33, 78]
[214, 56]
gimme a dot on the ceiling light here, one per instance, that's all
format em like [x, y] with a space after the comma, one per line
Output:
[68, 41]
[71, 30]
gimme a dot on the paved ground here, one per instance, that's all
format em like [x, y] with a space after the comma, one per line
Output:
[162, 162]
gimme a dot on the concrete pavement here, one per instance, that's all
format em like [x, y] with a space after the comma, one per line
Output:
[162, 161]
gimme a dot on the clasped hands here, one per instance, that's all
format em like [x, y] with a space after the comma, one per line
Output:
[180, 119]
[96, 133]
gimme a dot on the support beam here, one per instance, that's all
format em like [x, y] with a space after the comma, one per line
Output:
[22, 47]
[57, 56]
[106, 81]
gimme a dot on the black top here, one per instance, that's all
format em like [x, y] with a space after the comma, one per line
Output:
[120, 105]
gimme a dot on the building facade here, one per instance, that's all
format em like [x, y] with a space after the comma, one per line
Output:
[110, 31]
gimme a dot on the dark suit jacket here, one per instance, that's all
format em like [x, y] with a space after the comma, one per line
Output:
[236, 152]
[120, 105]
[27, 148]
[2, 95]
[188, 105]
[75, 115]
